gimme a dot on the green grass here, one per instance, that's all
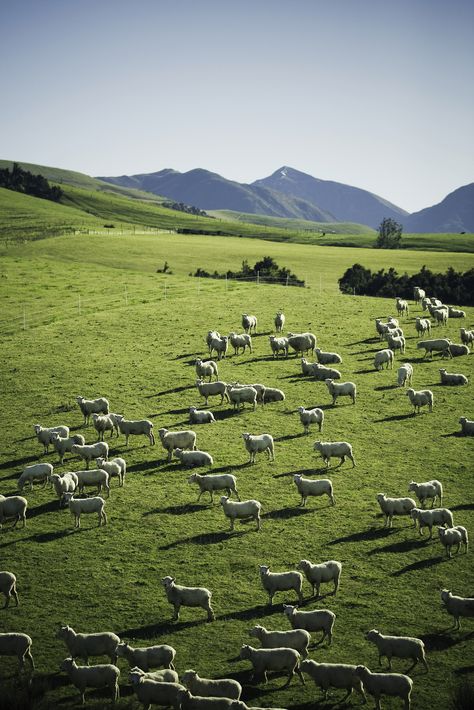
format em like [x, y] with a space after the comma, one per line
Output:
[140, 355]
[303, 225]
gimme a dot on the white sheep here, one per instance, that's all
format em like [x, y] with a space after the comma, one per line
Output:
[200, 416]
[258, 444]
[299, 639]
[240, 340]
[329, 571]
[308, 487]
[187, 701]
[211, 334]
[394, 506]
[458, 350]
[272, 394]
[8, 587]
[171, 440]
[13, 507]
[456, 312]
[308, 368]
[155, 692]
[280, 582]
[467, 337]
[404, 374]
[334, 675]
[240, 395]
[272, 659]
[219, 344]
[241, 509]
[302, 342]
[398, 647]
[311, 416]
[100, 676]
[453, 536]
[341, 389]
[91, 451]
[215, 482]
[115, 467]
[418, 294]
[84, 645]
[429, 518]
[179, 596]
[207, 368]
[249, 323]
[88, 406]
[422, 325]
[321, 373]
[102, 423]
[452, 378]
[430, 489]
[467, 426]
[19, 645]
[383, 357]
[457, 606]
[278, 345]
[383, 328]
[37, 472]
[377, 684]
[115, 419]
[148, 656]
[316, 620]
[212, 389]
[420, 398]
[257, 386]
[78, 506]
[93, 477]
[189, 459]
[402, 306]
[136, 427]
[396, 342]
[327, 358]
[64, 444]
[279, 321]
[436, 345]
[334, 449]
[166, 675]
[210, 687]
[67, 483]
[44, 435]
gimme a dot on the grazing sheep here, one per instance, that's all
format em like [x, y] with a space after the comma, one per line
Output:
[326, 358]
[341, 389]
[329, 571]
[457, 606]
[467, 426]
[422, 325]
[211, 688]
[394, 684]
[147, 657]
[166, 675]
[467, 337]
[238, 341]
[67, 483]
[211, 334]
[302, 342]
[89, 406]
[206, 368]
[19, 645]
[180, 596]
[84, 645]
[212, 389]
[418, 294]
[393, 331]
[334, 449]
[249, 323]
[101, 676]
[272, 394]
[64, 444]
[405, 374]
[257, 386]
[281, 582]
[45, 435]
[155, 692]
[452, 378]
[308, 368]
[115, 420]
[93, 477]
[402, 306]
[37, 472]
[394, 506]
[78, 506]
[453, 536]
[187, 701]
[420, 398]
[398, 647]
[200, 416]
[440, 315]
[115, 467]
[437, 345]
[425, 302]
[309, 487]
[430, 489]
[455, 312]
[272, 659]
[171, 440]
[13, 507]
[219, 343]
[241, 509]
[8, 587]
[258, 444]
[102, 423]
[382, 357]
[317, 620]
[334, 675]
[91, 451]
[189, 459]
[279, 321]
[215, 482]
[430, 517]
[136, 427]
[396, 342]
[299, 639]
[321, 373]
[457, 350]
[311, 416]
[278, 345]
[239, 395]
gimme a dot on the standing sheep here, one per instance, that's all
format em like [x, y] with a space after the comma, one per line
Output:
[398, 647]
[13, 507]
[437, 345]
[84, 645]
[383, 357]
[207, 368]
[467, 337]
[78, 506]
[430, 489]
[239, 395]
[101, 676]
[102, 423]
[279, 321]
[394, 684]
[238, 341]
[311, 416]
[334, 675]
[272, 659]
[155, 692]
[147, 657]
[281, 582]
[258, 444]
[329, 571]
[64, 444]
[420, 398]
[449, 537]
[341, 389]
[89, 406]
[422, 325]
[317, 620]
[418, 294]
[67, 483]
[457, 606]
[136, 427]
[299, 639]
[211, 688]
[431, 517]
[171, 440]
[404, 375]
[309, 487]
[402, 306]
[334, 449]
[278, 345]
[219, 343]
[19, 645]
[37, 472]
[249, 323]
[211, 389]
[180, 596]
[394, 506]
[241, 509]
[115, 467]
[8, 587]
[91, 451]
[45, 435]
[302, 342]
[215, 482]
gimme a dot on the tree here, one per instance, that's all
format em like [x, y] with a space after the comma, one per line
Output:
[389, 234]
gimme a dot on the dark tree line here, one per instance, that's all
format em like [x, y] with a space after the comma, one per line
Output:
[453, 287]
[23, 181]
[266, 270]
[189, 209]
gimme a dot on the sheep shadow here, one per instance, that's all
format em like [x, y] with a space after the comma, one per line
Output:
[14, 463]
[457, 434]
[230, 467]
[364, 372]
[183, 410]
[185, 355]
[49, 507]
[288, 437]
[177, 509]
[420, 564]
[51, 536]
[142, 466]
[462, 506]
[287, 513]
[395, 418]
[441, 642]
[364, 535]
[173, 390]
[225, 414]
[203, 539]
[402, 546]
[383, 388]
[367, 341]
[161, 629]
[301, 472]
[255, 612]
[464, 670]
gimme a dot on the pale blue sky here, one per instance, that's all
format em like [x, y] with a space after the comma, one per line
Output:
[373, 93]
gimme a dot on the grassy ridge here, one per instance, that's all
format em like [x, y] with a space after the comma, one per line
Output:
[293, 224]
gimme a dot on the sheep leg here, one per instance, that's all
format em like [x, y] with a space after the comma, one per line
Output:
[231, 524]
[292, 672]
[237, 493]
[258, 522]
[176, 611]
[210, 613]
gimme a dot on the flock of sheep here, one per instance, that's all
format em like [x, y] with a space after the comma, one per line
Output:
[284, 651]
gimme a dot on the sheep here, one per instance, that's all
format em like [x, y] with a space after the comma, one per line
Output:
[326, 358]
[102, 423]
[211, 334]
[241, 509]
[211, 389]
[84, 645]
[91, 451]
[321, 373]
[13, 507]
[308, 368]
[396, 342]
[189, 459]
[187, 701]
[425, 302]
[67, 483]
[200, 416]
[334, 675]
[90, 406]
[418, 294]
[115, 420]
[422, 325]
[278, 345]
[36, 472]
[402, 306]
[440, 315]
[215, 482]
[155, 692]
[382, 357]
[437, 345]
[457, 606]
[316, 620]
[147, 657]
[257, 386]
[377, 684]
[341, 389]
[452, 378]
[453, 536]
[309, 487]
[180, 596]
[136, 427]
[258, 444]
[210, 688]
[404, 374]
[430, 489]
[115, 467]
[272, 659]
[433, 516]
[206, 368]
[381, 327]
[302, 342]
[420, 398]
[334, 449]
[238, 341]
[394, 506]
[467, 426]
[19, 645]
[398, 647]
[467, 337]
[299, 639]
[63, 444]
[279, 321]
[171, 440]
[457, 350]
[219, 344]
[44, 435]
[239, 395]
[101, 676]
[249, 323]
[93, 477]
[166, 675]
[78, 506]
[280, 582]
[311, 416]
[393, 332]
[272, 394]
[8, 587]
[455, 313]
[436, 302]
[329, 571]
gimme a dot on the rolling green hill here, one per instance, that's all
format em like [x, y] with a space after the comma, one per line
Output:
[293, 224]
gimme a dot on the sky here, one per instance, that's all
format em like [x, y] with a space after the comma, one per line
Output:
[373, 93]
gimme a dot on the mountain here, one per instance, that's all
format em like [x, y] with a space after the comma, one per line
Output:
[453, 214]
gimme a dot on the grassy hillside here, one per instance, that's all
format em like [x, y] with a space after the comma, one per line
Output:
[293, 224]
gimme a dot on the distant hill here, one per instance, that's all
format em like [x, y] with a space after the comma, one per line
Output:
[302, 225]
[453, 214]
